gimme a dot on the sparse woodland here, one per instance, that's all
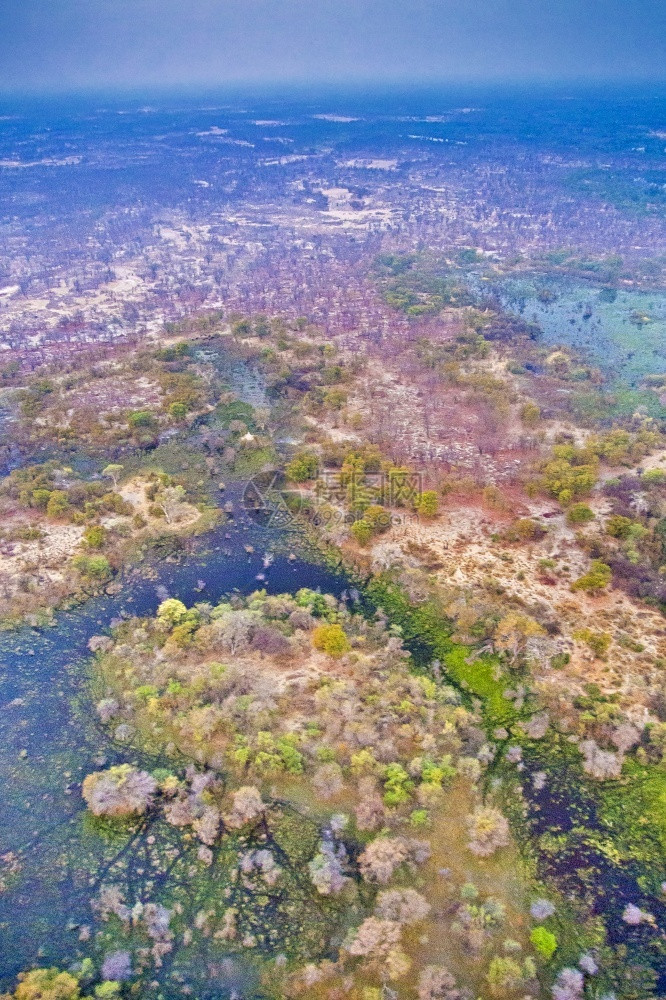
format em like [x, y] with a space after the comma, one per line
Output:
[410, 795]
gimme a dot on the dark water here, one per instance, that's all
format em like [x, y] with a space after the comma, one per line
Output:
[246, 381]
[570, 807]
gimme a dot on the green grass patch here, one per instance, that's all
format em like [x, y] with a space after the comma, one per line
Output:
[481, 677]
[633, 811]
[427, 634]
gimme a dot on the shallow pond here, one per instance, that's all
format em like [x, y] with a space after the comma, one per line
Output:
[246, 381]
[622, 332]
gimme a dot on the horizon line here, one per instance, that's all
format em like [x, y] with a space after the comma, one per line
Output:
[377, 84]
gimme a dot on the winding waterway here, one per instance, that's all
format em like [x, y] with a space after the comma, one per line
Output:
[52, 863]
[49, 738]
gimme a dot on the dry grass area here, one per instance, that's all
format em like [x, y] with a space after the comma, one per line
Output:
[416, 417]
[91, 406]
[37, 571]
[462, 551]
[42, 560]
[113, 394]
[464, 422]
[122, 400]
[423, 406]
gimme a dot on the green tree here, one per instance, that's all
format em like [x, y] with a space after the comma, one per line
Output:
[361, 531]
[330, 639]
[107, 990]
[570, 473]
[377, 517]
[178, 410]
[172, 610]
[58, 504]
[579, 513]
[544, 942]
[599, 642]
[94, 536]
[597, 578]
[113, 472]
[302, 467]
[427, 503]
[397, 785]
[618, 526]
[242, 328]
[169, 499]
[95, 568]
[504, 974]
[40, 497]
[530, 414]
[47, 984]
[140, 418]
[524, 529]
[335, 399]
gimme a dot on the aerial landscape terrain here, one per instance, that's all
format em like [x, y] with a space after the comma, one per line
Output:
[333, 544]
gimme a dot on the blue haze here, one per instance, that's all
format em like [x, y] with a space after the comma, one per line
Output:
[84, 44]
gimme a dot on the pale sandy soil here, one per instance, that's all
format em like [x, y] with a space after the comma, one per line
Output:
[46, 560]
[115, 394]
[336, 434]
[655, 461]
[43, 559]
[458, 551]
[134, 492]
[106, 304]
[371, 164]
[430, 424]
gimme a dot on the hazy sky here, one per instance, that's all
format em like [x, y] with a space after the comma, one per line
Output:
[65, 44]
